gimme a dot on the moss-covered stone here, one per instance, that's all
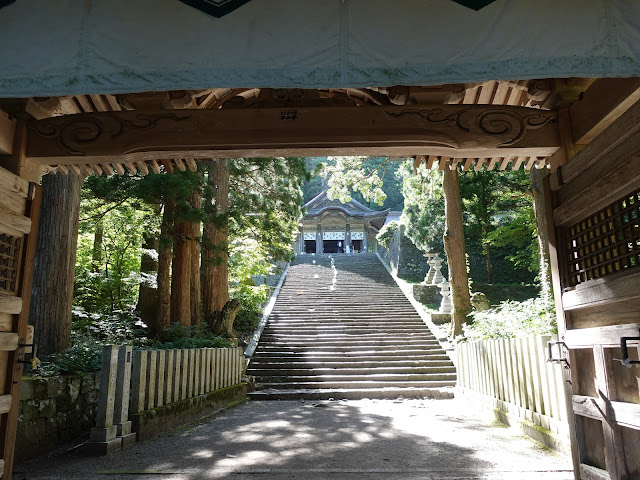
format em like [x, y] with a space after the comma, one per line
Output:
[151, 423]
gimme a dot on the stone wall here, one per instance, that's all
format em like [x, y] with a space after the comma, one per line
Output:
[407, 260]
[53, 411]
[498, 293]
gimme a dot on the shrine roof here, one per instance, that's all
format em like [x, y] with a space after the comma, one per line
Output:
[322, 204]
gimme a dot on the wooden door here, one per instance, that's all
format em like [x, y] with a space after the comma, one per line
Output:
[19, 204]
[595, 204]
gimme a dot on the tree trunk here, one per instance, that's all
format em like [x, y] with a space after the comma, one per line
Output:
[194, 282]
[147, 306]
[539, 209]
[215, 240]
[181, 274]
[55, 262]
[96, 254]
[164, 266]
[455, 250]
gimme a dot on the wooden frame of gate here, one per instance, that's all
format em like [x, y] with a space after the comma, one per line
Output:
[595, 214]
[593, 196]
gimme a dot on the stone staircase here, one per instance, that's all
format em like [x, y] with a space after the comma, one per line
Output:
[342, 328]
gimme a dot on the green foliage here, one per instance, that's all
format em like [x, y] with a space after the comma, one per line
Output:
[248, 259]
[177, 336]
[265, 201]
[512, 319]
[423, 213]
[516, 235]
[386, 233]
[90, 332]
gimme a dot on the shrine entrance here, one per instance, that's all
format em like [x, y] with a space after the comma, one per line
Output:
[348, 81]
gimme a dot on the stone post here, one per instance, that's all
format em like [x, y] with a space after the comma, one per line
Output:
[437, 266]
[103, 437]
[445, 290]
[123, 389]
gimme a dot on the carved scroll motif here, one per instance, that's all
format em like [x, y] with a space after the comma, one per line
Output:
[79, 131]
[494, 122]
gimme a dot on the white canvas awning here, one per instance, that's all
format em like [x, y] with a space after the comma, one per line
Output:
[115, 46]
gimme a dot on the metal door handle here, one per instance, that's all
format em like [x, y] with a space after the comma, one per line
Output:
[626, 361]
[550, 345]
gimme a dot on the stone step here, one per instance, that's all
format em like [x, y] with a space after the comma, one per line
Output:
[293, 363]
[448, 373]
[348, 334]
[346, 348]
[356, 384]
[351, 393]
[346, 378]
[434, 356]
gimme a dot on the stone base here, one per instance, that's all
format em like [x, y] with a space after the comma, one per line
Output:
[440, 318]
[150, 423]
[123, 429]
[128, 439]
[427, 294]
[102, 448]
[101, 435]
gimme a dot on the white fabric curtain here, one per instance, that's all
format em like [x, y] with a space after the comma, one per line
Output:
[116, 46]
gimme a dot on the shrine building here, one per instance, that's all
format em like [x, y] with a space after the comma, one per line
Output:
[330, 226]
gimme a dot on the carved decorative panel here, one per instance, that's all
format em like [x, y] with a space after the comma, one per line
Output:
[9, 256]
[309, 235]
[357, 235]
[604, 243]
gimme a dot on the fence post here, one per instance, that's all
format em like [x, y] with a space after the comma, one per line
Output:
[151, 379]
[160, 378]
[169, 367]
[103, 436]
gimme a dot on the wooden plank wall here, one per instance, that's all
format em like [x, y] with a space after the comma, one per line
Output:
[18, 203]
[160, 377]
[514, 376]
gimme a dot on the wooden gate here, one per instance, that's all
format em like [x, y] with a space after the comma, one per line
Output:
[596, 213]
[19, 203]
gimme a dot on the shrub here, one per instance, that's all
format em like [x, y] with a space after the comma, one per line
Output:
[179, 336]
[512, 319]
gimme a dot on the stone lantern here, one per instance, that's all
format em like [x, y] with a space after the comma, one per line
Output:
[445, 290]
[428, 279]
[437, 266]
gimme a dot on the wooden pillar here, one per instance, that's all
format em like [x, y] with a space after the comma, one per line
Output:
[319, 240]
[365, 238]
[347, 237]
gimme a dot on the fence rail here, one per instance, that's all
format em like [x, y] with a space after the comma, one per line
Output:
[514, 376]
[160, 377]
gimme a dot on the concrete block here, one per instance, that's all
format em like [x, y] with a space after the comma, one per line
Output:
[103, 434]
[102, 448]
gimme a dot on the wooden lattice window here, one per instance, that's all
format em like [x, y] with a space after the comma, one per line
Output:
[9, 255]
[606, 242]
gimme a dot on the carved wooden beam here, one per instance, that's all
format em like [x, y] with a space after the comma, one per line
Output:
[455, 131]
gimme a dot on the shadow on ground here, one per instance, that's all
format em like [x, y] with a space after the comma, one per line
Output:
[427, 439]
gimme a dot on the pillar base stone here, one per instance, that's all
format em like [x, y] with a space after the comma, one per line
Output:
[102, 448]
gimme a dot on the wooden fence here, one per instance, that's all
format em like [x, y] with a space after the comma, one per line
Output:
[514, 376]
[160, 377]
[133, 382]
